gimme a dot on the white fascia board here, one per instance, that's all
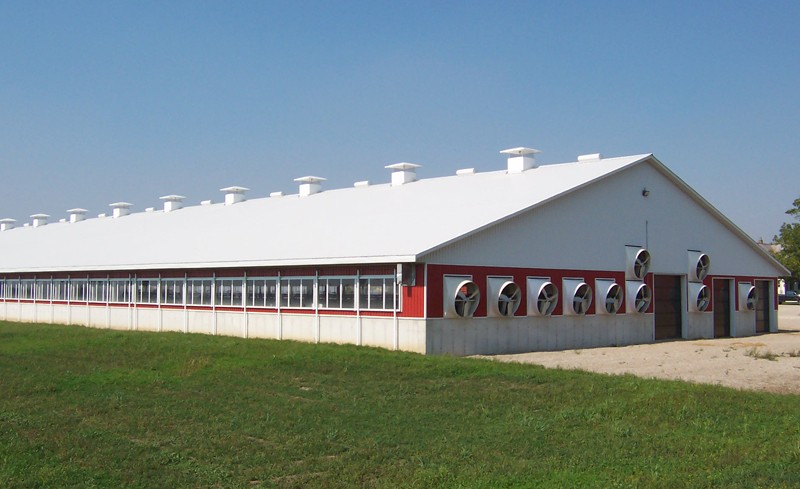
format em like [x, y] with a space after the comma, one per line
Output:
[350, 261]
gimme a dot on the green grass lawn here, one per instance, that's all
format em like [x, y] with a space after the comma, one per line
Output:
[92, 408]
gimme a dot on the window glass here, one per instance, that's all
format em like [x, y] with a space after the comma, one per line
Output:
[261, 292]
[13, 289]
[348, 293]
[199, 292]
[323, 286]
[228, 292]
[236, 292]
[377, 293]
[147, 291]
[26, 289]
[97, 291]
[60, 290]
[336, 292]
[297, 292]
[78, 290]
[172, 291]
[119, 291]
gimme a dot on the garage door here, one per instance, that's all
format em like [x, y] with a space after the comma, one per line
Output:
[668, 306]
[763, 306]
[722, 308]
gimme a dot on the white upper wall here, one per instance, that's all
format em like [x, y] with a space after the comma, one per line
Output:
[589, 228]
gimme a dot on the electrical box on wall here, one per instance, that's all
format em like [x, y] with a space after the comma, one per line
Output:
[406, 274]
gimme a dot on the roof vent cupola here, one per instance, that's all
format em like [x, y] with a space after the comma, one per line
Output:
[77, 214]
[403, 173]
[172, 202]
[120, 209]
[310, 185]
[234, 194]
[520, 159]
[39, 220]
[7, 223]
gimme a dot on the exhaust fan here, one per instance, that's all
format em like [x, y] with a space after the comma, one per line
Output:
[748, 297]
[699, 297]
[637, 264]
[461, 296]
[639, 297]
[577, 296]
[542, 296]
[505, 296]
[609, 296]
[699, 266]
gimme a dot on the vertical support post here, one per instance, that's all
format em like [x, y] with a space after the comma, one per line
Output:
[315, 298]
[278, 303]
[214, 303]
[246, 332]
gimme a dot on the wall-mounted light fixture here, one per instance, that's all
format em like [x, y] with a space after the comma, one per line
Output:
[645, 192]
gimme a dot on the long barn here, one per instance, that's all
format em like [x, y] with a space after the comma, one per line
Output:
[596, 252]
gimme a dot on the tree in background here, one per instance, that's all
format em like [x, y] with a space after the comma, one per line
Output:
[789, 239]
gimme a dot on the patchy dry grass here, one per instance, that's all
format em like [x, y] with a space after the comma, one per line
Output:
[761, 355]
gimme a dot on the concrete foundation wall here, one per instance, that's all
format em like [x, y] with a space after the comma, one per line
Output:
[523, 334]
[471, 336]
[390, 333]
[743, 323]
[261, 325]
[698, 325]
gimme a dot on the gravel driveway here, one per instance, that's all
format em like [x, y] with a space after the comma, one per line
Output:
[769, 362]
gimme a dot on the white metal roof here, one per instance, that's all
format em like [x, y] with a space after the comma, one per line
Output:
[374, 224]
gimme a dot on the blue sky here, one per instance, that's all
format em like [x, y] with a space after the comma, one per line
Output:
[127, 101]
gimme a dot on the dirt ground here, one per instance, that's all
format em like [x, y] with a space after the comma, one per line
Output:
[769, 362]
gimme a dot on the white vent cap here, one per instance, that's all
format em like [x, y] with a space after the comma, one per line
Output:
[77, 214]
[234, 194]
[172, 202]
[7, 223]
[310, 185]
[39, 220]
[403, 173]
[121, 209]
[520, 159]
[590, 157]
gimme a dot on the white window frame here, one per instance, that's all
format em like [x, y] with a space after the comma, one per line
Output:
[172, 291]
[323, 292]
[299, 292]
[205, 286]
[148, 295]
[388, 301]
[115, 285]
[255, 284]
